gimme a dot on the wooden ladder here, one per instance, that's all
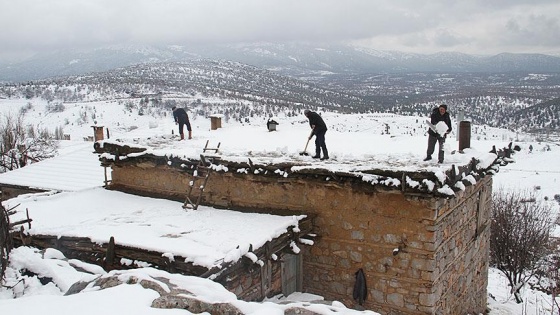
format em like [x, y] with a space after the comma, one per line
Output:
[206, 148]
[198, 182]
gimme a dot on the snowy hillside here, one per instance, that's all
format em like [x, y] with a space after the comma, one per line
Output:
[243, 91]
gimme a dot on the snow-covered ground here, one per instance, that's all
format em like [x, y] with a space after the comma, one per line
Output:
[358, 140]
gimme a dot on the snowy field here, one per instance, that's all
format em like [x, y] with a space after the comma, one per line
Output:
[372, 140]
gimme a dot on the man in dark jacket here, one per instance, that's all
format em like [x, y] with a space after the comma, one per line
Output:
[180, 116]
[438, 114]
[318, 129]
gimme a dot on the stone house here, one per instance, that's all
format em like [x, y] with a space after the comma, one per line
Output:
[421, 239]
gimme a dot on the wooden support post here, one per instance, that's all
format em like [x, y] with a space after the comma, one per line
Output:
[106, 180]
[25, 240]
[110, 254]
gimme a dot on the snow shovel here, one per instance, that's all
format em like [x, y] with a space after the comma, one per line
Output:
[305, 150]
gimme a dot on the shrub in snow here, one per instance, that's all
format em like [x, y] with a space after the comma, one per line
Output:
[520, 233]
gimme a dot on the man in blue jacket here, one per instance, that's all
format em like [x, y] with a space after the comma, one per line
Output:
[438, 114]
[181, 118]
[318, 129]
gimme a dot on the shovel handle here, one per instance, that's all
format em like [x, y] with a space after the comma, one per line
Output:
[308, 139]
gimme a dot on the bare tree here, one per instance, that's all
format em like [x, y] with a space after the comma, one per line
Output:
[520, 232]
[20, 146]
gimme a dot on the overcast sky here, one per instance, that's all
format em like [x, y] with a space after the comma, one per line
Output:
[470, 26]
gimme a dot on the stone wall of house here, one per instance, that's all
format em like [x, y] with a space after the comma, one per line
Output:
[420, 254]
[462, 250]
[254, 283]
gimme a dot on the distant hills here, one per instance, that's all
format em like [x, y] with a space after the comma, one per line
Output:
[299, 60]
[220, 80]
[515, 101]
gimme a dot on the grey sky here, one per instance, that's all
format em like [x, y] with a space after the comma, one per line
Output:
[469, 26]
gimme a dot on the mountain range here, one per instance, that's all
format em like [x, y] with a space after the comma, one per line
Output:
[298, 60]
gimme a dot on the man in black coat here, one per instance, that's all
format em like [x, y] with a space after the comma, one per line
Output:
[438, 114]
[318, 129]
[180, 116]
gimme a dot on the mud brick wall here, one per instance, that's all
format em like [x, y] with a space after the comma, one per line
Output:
[421, 254]
[12, 191]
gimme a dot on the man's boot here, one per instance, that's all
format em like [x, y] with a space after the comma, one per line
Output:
[182, 136]
[190, 134]
[325, 154]
[440, 157]
[317, 153]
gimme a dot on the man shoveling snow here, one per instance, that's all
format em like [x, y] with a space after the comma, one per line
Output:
[440, 126]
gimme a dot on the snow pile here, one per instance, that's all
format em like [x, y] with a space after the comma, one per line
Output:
[145, 288]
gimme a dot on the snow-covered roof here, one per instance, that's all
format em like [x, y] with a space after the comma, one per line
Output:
[392, 170]
[75, 168]
[207, 237]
